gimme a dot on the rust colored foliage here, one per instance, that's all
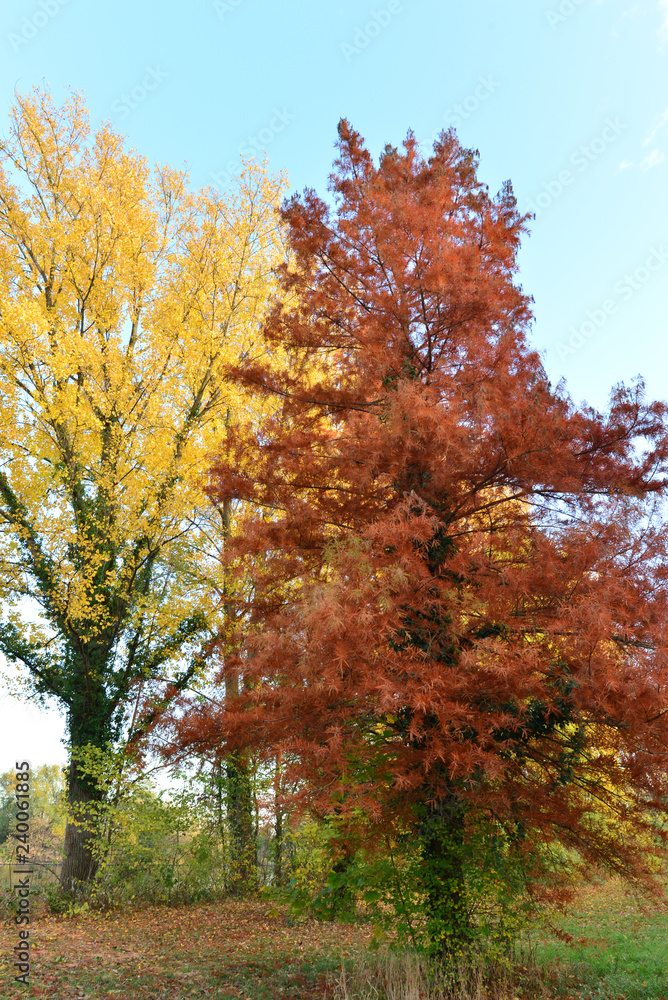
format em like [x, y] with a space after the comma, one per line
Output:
[459, 590]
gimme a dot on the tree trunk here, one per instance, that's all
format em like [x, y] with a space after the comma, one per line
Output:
[80, 861]
[240, 817]
[343, 897]
[243, 840]
[279, 832]
[446, 898]
[278, 847]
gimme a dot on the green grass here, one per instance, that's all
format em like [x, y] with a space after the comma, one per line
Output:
[612, 946]
[289, 981]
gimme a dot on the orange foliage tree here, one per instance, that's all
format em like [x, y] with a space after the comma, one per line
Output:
[459, 613]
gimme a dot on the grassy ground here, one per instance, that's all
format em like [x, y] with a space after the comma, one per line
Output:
[608, 948]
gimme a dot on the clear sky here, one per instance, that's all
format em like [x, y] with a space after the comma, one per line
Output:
[567, 98]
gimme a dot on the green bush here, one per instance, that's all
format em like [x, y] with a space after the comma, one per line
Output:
[150, 848]
[388, 887]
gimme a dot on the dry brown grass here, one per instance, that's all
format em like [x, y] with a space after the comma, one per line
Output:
[406, 976]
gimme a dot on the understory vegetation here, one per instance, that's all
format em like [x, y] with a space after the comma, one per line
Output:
[165, 916]
[609, 947]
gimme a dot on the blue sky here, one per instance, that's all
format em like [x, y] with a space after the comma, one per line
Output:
[567, 98]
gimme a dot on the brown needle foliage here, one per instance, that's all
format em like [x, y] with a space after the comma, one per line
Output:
[458, 600]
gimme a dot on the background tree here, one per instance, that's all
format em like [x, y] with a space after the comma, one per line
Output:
[46, 809]
[461, 617]
[123, 296]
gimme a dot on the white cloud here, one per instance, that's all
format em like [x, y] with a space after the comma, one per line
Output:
[624, 165]
[626, 15]
[659, 122]
[653, 160]
[663, 7]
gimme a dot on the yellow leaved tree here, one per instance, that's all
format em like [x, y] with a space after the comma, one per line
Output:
[124, 296]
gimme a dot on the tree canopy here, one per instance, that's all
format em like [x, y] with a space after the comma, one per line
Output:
[124, 296]
[460, 615]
